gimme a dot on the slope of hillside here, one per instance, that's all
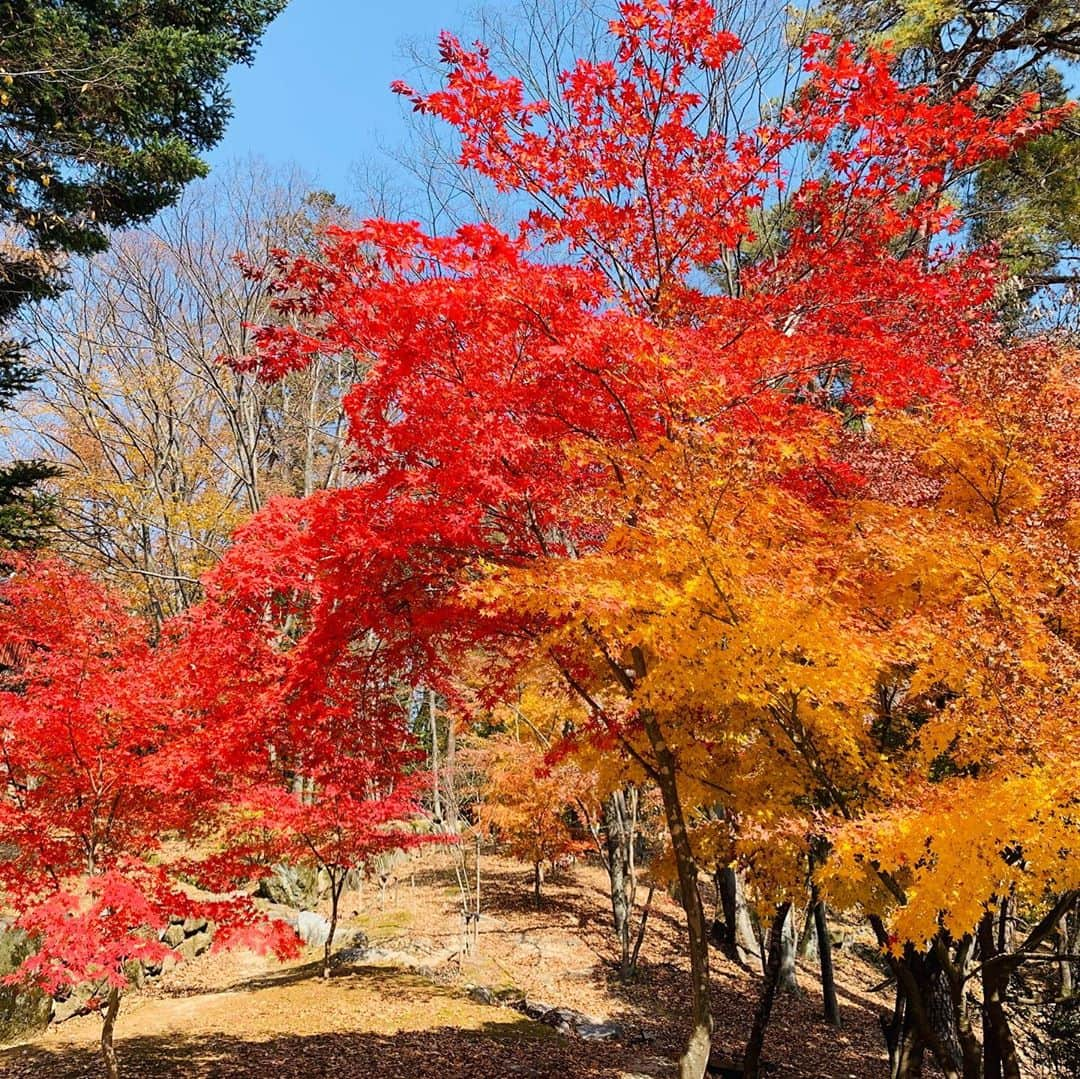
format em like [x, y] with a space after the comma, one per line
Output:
[406, 1009]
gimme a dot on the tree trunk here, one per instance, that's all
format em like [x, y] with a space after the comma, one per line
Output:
[737, 939]
[773, 969]
[336, 887]
[450, 774]
[436, 797]
[108, 1049]
[952, 974]
[1065, 966]
[910, 1052]
[788, 978]
[538, 882]
[917, 1031]
[902, 1040]
[618, 838]
[636, 950]
[808, 937]
[944, 1016]
[1000, 1060]
[824, 949]
[695, 1056]
[1068, 943]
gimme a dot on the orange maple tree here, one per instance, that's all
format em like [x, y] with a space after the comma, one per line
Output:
[526, 802]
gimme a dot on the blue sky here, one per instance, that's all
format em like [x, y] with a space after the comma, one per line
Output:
[318, 92]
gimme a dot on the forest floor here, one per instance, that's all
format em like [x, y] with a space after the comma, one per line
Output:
[245, 1016]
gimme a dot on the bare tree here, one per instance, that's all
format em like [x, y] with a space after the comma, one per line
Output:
[163, 446]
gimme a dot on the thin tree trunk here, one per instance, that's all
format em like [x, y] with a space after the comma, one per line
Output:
[476, 912]
[695, 1056]
[1068, 943]
[788, 979]
[641, 929]
[953, 971]
[752, 1057]
[336, 887]
[436, 797]
[538, 881]
[902, 1040]
[1065, 966]
[905, 1043]
[616, 841]
[808, 938]
[738, 940]
[824, 950]
[725, 886]
[450, 773]
[108, 1049]
[910, 1051]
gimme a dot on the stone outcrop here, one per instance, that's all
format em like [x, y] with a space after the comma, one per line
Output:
[570, 1022]
[188, 937]
[313, 929]
[24, 1011]
[290, 886]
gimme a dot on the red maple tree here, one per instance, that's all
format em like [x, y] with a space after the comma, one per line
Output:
[93, 760]
[508, 376]
[316, 769]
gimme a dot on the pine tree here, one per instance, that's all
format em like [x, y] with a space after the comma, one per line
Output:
[104, 111]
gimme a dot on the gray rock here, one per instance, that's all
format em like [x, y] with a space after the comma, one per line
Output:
[135, 972]
[534, 1009]
[194, 945]
[348, 957]
[599, 1032]
[312, 928]
[392, 957]
[570, 1022]
[163, 966]
[173, 935]
[23, 1010]
[280, 913]
[194, 925]
[354, 950]
[481, 994]
[291, 886]
[384, 863]
[564, 1020]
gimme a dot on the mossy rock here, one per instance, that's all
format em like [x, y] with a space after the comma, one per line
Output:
[295, 886]
[135, 973]
[24, 1011]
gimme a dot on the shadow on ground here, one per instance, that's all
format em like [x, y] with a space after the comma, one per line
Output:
[499, 1049]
